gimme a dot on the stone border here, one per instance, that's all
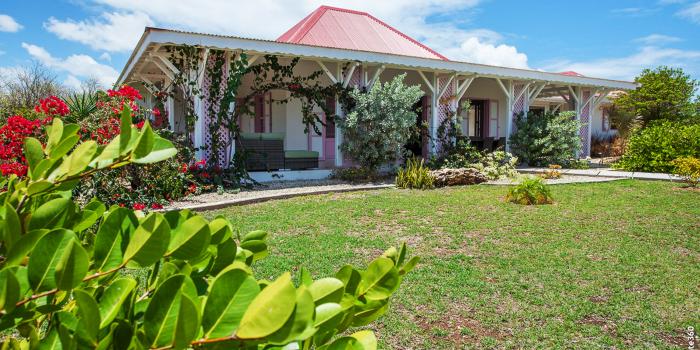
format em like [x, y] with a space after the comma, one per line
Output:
[265, 198]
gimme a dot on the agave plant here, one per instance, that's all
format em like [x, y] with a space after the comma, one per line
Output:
[81, 105]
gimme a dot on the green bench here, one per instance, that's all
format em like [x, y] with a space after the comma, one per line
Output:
[265, 151]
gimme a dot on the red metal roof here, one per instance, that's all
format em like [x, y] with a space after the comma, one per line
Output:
[348, 29]
[571, 74]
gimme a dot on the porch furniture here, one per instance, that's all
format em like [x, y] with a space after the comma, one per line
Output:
[264, 151]
[297, 160]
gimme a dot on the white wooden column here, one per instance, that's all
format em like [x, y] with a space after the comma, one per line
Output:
[507, 89]
[434, 101]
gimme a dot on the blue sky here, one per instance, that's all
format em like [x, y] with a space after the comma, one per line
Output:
[80, 39]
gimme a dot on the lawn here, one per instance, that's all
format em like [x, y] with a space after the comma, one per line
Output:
[612, 264]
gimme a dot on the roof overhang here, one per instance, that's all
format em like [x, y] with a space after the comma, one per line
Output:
[172, 37]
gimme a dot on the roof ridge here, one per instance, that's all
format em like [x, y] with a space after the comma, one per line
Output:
[425, 47]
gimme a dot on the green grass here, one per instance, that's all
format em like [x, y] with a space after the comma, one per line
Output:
[612, 264]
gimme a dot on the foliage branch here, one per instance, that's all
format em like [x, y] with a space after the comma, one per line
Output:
[67, 272]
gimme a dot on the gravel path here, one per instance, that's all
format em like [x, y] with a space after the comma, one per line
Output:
[271, 190]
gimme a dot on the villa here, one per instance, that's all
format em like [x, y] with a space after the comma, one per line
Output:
[358, 50]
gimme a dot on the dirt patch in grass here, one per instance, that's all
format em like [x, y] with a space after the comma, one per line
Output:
[678, 338]
[687, 188]
[605, 324]
[454, 326]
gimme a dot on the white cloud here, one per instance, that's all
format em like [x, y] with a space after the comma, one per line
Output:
[626, 68]
[113, 31]
[409, 16]
[73, 82]
[106, 57]
[692, 12]
[658, 39]
[77, 66]
[8, 24]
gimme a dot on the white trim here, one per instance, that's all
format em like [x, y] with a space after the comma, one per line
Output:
[427, 82]
[205, 57]
[575, 95]
[461, 90]
[155, 35]
[328, 73]
[375, 77]
[350, 73]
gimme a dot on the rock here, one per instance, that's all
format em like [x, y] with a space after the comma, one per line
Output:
[457, 177]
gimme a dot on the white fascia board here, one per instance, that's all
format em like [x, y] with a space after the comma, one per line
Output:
[163, 36]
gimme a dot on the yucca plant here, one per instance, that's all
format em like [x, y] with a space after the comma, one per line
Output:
[531, 191]
[81, 105]
[415, 175]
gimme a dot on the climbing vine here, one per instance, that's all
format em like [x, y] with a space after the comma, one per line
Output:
[226, 74]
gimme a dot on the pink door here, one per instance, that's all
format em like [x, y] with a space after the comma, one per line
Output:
[329, 133]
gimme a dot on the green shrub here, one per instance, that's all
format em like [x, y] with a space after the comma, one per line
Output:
[531, 191]
[355, 174]
[654, 147]
[576, 164]
[547, 138]
[414, 175]
[77, 277]
[380, 124]
[688, 168]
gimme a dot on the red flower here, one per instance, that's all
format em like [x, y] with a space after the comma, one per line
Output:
[139, 125]
[139, 206]
[183, 168]
[127, 92]
[18, 169]
[156, 206]
[52, 107]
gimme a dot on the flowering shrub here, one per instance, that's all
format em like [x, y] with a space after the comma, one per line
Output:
[497, 165]
[140, 187]
[688, 168]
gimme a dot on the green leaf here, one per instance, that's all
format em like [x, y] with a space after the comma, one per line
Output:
[45, 257]
[225, 255]
[51, 214]
[9, 290]
[328, 316]
[257, 235]
[380, 280]
[269, 310]
[72, 267]
[11, 229]
[301, 325]
[409, 265]
[161, 150]
[33, 151]
[81, 157]
[350, 277]
[112, 236]
[362, 340]
[327, 290]
[51, 342]
[124, 130]
[229, 296]
[220, 230]
[305, 277]
[92, 212]
[257, 247]
[402, 254]
[189, 240]
[61, 149]
[38, 186]
[89, 316]
[55, 134]
[113, 298]
[187, 324]
[161, 317]
[22, 247]
[150, 241]
[144, 142]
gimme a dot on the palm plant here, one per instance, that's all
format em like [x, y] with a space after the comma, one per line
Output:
[81, 105]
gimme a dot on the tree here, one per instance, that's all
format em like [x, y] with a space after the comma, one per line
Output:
[23, 89]
[665, 93]
[68, 272]
[379, 125]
